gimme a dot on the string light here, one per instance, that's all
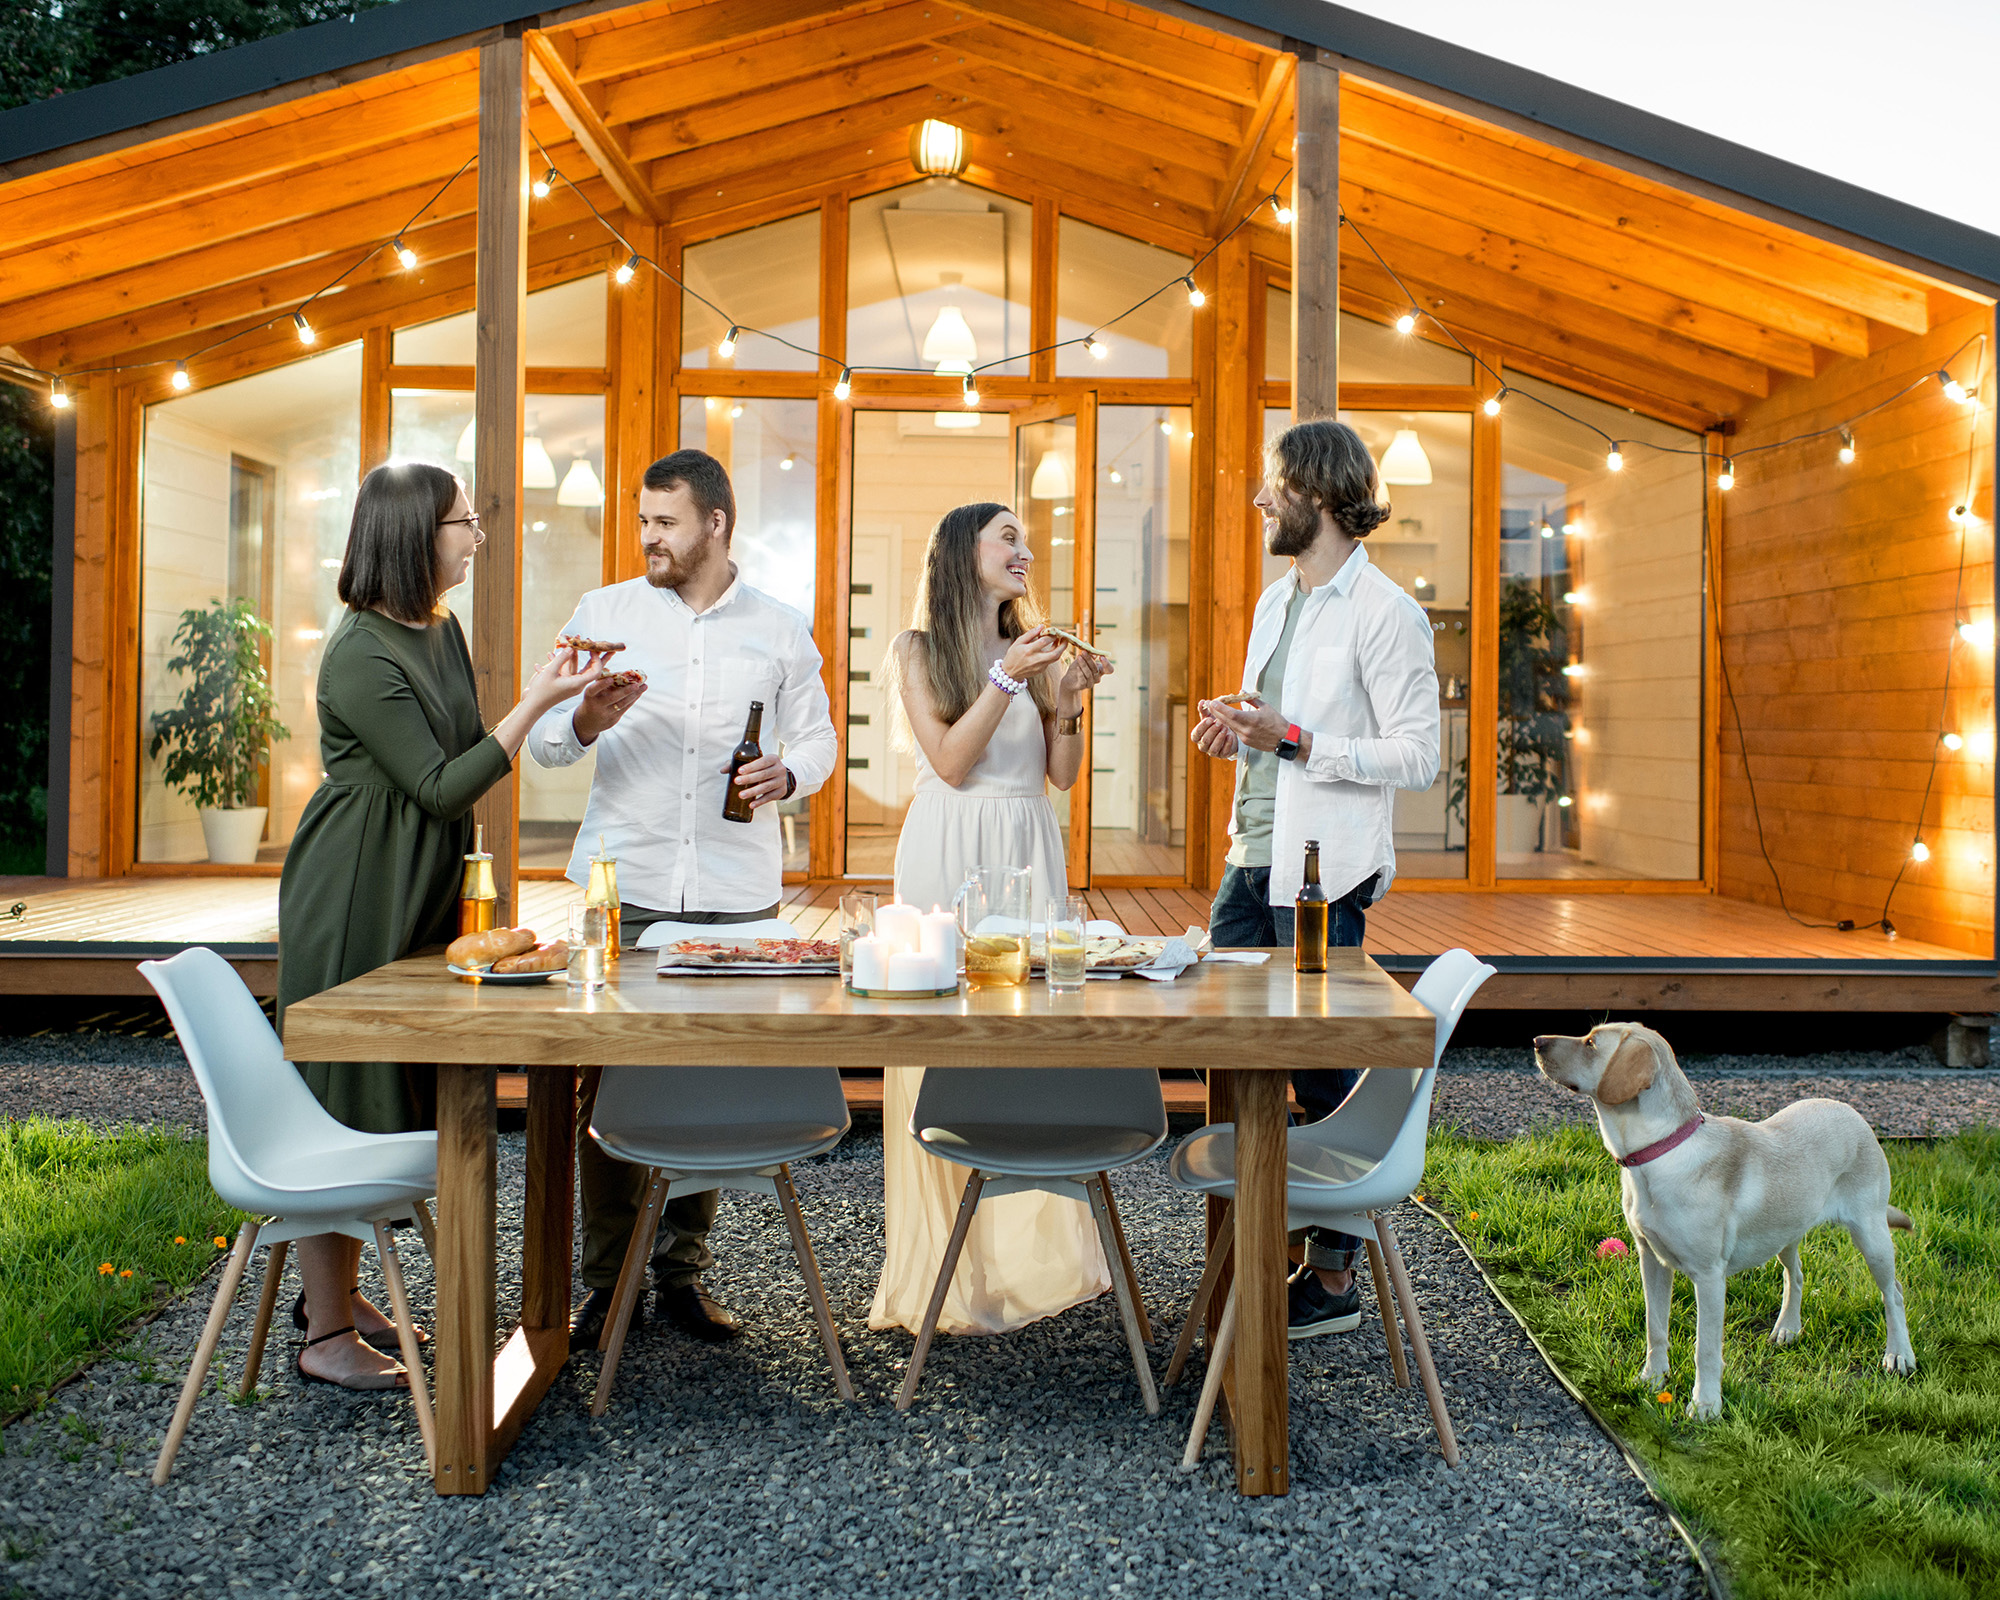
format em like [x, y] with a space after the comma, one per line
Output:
[1195, 297]
[305, 328]
[1725, 480]
[969, 394]
[1847, 447]
[844, 384]
[404, 254]
[1492, 405]
[1407, 322]
[1548, 532]
[1614, 460]
[1280, 210]
[181, 380]
[1564, 800]
[624, 274]
[727, 347]
[1952, 741]
[1958, 514]
[1920, 851]
[545, 183]
[1117, 476]
[736, 411]
[787, 464]
[1977, 633]
[59, 395]
[1098, 348]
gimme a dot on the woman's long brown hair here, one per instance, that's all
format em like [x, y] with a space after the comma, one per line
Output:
[947, 622]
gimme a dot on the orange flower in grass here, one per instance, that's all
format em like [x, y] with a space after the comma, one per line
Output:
[221, 1243]
[126, 1273]
[180, 1238]
[105, 1269]
[1474, 1215]
[1665, 1397]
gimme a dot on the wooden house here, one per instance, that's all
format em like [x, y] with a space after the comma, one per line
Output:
[1690, 451]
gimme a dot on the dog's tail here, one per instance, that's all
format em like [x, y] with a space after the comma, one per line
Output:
[1898, 1220]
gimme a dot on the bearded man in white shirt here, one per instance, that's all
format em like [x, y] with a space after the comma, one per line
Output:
[708, 645]
[1341, 711]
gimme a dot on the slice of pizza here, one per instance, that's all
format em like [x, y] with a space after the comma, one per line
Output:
[594, 647]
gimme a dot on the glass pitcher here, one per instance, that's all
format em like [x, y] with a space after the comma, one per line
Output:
[993, 907]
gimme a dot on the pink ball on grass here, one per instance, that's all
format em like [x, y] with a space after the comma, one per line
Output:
[1610, 1248]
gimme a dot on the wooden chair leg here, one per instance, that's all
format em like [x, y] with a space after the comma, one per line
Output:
[211, 1336]
[630, 1277]
[1211, 1275]
[1127, 1311]
[1420, 1347]
[406, 1337]
[426, 1229]
[1125, 1257]
[802, 1248]
[267, 1302]
[1383, 1294]
[967, 1204]
[1211, 1383]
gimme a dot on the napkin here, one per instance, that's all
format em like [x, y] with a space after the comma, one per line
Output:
[665, 933]
[1241, 958]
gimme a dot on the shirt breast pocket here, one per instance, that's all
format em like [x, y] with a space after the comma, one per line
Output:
[734, 681]
[1330, 684]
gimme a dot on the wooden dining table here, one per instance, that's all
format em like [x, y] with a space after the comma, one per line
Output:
[1246, 1028]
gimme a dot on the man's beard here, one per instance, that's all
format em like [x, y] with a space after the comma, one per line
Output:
[1296, 526]
[675, 573]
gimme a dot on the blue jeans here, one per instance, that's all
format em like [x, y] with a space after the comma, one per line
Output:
[1242, 915]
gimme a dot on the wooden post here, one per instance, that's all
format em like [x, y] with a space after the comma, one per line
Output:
[1316, 243]
[826, 845]
[377, 355]
[499, 409]
[629, 429]
[1483, 694]
[91, 610]
[1235, 562]
[1258, 1403]
[468, 1156]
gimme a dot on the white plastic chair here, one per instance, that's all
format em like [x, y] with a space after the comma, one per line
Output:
[1061, 1130]
[1342, 1172]
[696, 1129]
[274, 1152]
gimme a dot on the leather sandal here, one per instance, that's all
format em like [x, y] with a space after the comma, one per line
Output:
[400, 1377]
[383, 1339]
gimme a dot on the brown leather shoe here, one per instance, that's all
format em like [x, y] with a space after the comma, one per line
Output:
[690, 1307]
[586, 1323]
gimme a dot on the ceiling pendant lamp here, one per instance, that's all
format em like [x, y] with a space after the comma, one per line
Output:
[539, 472]
[466, 446]
[1053, 479]
[937, 149]
[950, 346]
[581, 486]
[1404, 461]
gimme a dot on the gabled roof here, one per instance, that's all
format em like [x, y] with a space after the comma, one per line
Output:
[331, 52]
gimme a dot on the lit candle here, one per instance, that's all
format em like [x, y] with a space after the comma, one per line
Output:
[910, 969]
[871, 963]
[900, 928]
[940, 943]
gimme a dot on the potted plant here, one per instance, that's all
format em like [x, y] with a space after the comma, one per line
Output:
[219, 737]
[1533, 711]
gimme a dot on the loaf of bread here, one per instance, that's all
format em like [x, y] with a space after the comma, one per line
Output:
[476, 950]
[550, 957]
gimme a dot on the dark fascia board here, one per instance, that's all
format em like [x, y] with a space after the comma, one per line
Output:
[410, 25]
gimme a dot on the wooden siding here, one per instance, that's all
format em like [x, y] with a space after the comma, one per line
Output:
[1837, 619]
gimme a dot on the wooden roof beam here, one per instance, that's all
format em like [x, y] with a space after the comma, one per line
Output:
[715, 164]
[1151, 52]
[689, 31]
[1260, 142]
[552, 75]
[1155, 178]
[1148, 136]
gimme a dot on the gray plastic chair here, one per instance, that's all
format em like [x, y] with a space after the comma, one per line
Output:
[273, 1150]
[699, 1128]
[1342, 1172]
[1057, 1129]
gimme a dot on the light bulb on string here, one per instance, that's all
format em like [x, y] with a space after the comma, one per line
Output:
[1492, 404]
[1725, 480]
[787, 464]
[1952, 741]
[1846, 447]
[727, 347]
[305, 328]
[969, 392]
[545, 183]
[1117, 476]
[1195, 297]
[1958, 515]
[736, 411]
[1407, 322]
[1953, 389]
[59, 395]
[405, 255]
[1614, 460]
[1097, 348]
[626, 273]
[844, 385]
[1280, 210]
[1979, 634]
[181, 380]
[1919, 851]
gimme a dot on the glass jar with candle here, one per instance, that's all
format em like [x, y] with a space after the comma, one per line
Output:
[602, 891]
[476, 894]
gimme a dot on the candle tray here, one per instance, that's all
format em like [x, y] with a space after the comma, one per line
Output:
[900, 994]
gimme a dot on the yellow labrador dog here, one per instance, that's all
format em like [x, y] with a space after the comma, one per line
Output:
[1714, 1196]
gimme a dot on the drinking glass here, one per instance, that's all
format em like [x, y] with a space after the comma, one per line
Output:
[857, 921]
[589, 927]
[1067, 915]
[992, 907]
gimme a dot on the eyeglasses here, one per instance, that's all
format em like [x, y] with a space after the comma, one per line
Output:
[472, 522]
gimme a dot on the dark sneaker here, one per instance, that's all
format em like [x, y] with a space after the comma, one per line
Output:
[692, 1309]
[586, 1322]
[1316, 1309]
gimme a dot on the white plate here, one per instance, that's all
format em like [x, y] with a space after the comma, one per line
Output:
[504, 978]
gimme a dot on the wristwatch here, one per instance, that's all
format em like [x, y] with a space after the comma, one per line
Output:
[1288, 747]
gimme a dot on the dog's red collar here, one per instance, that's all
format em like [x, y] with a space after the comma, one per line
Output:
[1659, 1147]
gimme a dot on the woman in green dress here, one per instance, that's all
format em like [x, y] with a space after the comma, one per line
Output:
[373, 869]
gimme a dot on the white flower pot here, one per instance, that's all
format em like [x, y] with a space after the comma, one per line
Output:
[1517, 831]
[233, 835]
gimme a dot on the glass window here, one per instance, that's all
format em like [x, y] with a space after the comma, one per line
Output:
[770, 448]
[1139, 720]
[246, 490]
[908, 472]
[765, 278]
[1369, 352]
[565, 328]
[937, 278]
[1102, 275]
[1600, 644]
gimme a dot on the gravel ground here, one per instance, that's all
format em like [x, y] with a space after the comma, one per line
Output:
[736, 1471]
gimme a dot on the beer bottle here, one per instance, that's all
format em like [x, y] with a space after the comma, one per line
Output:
[1309, 917]
[476, 894]
[734, 807]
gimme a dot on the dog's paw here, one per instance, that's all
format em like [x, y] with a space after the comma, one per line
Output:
[1785, 1333]
[1655, 1373]
[1899, 1363]
[1701, 1410]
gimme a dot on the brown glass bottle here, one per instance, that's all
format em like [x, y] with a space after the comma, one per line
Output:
[1309, 917]
[734, 807]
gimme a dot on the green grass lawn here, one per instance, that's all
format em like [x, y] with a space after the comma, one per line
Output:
[1825, 1478]
[92, 1227]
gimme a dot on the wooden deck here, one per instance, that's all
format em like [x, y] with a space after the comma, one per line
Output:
[1612, 952]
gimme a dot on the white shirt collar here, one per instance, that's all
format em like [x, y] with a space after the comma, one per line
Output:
[1344, 580]
[723, 599]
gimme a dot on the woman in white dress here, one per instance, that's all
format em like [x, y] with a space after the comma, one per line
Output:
[994, 719]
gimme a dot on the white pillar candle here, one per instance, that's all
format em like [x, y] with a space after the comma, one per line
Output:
[940, 943]
[899, 927]
[871, 963]
[910, 969]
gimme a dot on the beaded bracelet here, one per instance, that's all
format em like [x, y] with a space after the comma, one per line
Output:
[997, 675]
